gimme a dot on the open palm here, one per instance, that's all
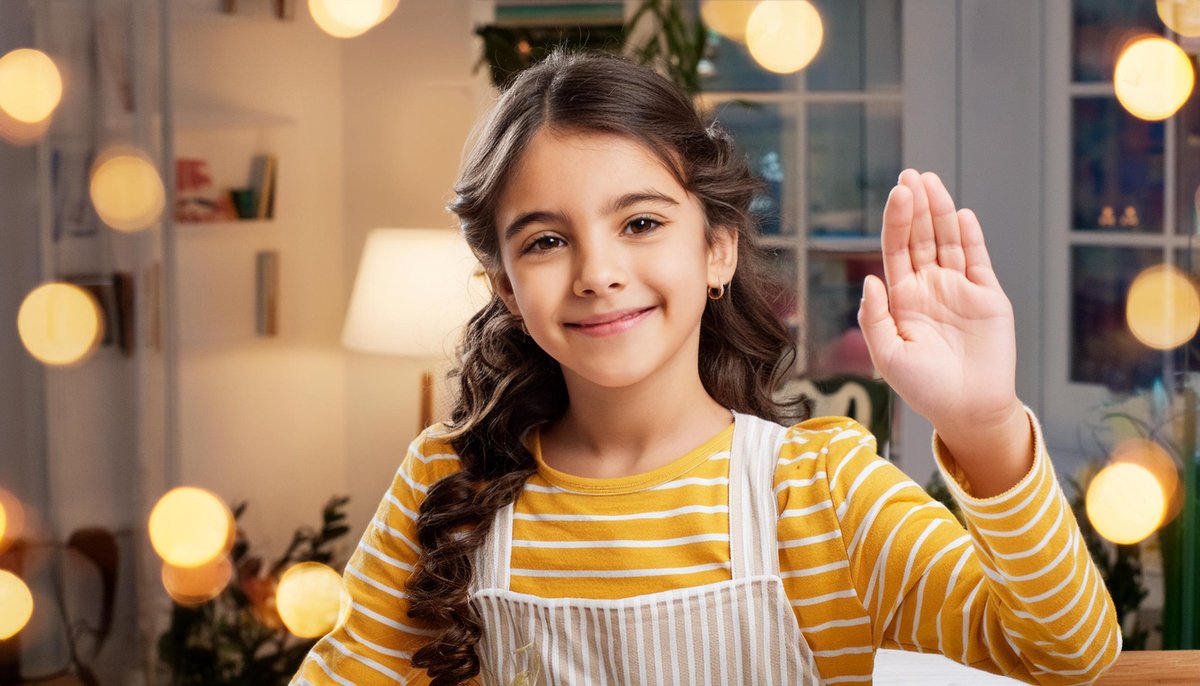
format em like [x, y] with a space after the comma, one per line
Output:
[941, 331]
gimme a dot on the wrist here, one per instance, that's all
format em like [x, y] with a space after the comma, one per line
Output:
[993, 457]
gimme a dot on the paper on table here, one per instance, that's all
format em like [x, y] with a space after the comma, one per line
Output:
[903, 667]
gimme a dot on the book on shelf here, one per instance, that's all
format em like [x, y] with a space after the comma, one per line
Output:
[262, 183]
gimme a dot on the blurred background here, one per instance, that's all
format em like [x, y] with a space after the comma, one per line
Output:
[208, 371]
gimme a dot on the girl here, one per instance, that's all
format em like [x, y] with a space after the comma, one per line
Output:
[614, 499]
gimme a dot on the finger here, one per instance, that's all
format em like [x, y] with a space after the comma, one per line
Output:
[876, 322]
[945, 224]
[897, 225]
[979, 264]
[921, 243]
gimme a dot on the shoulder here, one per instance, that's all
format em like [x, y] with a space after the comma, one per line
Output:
[430, 457]
[818, 448]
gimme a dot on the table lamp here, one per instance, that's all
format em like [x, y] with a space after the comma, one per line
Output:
[414, 291]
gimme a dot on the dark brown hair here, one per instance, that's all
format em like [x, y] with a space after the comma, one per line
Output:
[507, 384]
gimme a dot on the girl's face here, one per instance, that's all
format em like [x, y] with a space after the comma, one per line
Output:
[605, 258]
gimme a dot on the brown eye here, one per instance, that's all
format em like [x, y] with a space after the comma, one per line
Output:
[543, 244]
[643, 224]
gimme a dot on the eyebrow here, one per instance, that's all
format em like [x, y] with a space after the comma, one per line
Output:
[615, 205]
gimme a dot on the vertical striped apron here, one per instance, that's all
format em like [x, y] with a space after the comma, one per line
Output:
[740, 631]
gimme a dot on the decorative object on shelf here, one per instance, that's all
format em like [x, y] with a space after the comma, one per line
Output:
[262, 183]
[415, 288]
[73, 641]
[266, 292]
[284, 10]
[196, 199]
[238, 637]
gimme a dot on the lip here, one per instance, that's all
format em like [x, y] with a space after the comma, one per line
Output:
[611, 323]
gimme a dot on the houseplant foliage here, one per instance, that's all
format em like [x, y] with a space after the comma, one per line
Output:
[238, 639]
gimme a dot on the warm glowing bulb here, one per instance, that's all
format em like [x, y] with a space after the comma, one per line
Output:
[1163, 307]
[127, 190]
[1153, 78]
[16, 604]
[350, 18]
[60, 323]
[1181, 16]
[1125, 502]
[784, 35]
[191, 586]
[30, 85]
[190, 526]
[309, 599]
[728, 17]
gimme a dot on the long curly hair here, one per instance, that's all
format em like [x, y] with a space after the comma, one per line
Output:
[507, 384]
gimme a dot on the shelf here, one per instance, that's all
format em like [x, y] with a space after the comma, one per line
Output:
[226, 224]
[200, 115]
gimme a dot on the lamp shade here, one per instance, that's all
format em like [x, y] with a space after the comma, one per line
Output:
[414, 290]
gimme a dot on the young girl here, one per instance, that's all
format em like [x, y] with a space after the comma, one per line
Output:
[614, 499]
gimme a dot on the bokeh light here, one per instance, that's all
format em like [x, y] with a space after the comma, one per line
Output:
[728, 17]
[1125, 502]
[60, 323]
[14, 519]
[309, 599]
[350, 18]
[16, 604]
[30, 85]
[784, 35]
[192, 586]
[1181, 16]
[19, 133]
[190, 527]
[1155, 459]
[1153, 78]
[127, 190]
[1162, 308]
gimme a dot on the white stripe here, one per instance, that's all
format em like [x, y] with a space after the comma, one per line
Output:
[1037, 547]
[329, 672]
[661, 514]
[373, 664]
[1084, 670]
[616, 573]
[815, 570]
[799, 483]
[858, 481]
[402, 654]
[407, 512]
[844, 651]
[836, 623]
[396, 533]
[809, 540]
[844, 679]
[880, 502]
[412, 483]
[366, 547]
[846, 459]
[951, 585]
[845, 433]
[879, 569]
[1019, 531]
[390, 622]
[823, 598]
[1003, 514]
[966, 617]
[800, 512]
[908, 567]
[961, 540]
[383, 587]
[426, 459]
[652, 543]
[692, 481]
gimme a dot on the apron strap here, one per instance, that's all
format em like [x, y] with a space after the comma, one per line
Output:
[493, 559]
[753, 518]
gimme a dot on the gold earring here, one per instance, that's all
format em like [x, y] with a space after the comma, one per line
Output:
[715, 293]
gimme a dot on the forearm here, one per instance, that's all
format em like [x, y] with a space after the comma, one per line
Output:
[994, 456]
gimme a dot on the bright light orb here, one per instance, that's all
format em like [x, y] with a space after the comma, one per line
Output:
[727, 17]
[784, 35]
[60, 323]
[127, 190]
[1181, 16]
[1163, 307]
[16, 604]
[1125, 503]
[192, 586]
[1153, 78]
[13, 516]
[309, 599]
[1154, 458]
[30, 85]
[350, 18]
[189, 527]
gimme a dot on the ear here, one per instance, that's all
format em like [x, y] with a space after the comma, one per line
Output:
[722, 256]
[502, 287]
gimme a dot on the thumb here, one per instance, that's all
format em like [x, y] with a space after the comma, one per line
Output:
[875, 320]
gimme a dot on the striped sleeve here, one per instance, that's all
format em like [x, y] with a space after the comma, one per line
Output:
[1016, 593]
[374, 639]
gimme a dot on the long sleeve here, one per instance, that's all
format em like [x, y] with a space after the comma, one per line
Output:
[374, 639]
[1016, 593]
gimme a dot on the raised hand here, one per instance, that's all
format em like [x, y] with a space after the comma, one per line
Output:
[941, 331]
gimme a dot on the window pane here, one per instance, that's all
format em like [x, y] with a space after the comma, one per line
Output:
[729, 67]
[853, 159]
[782, 288]
[1187, 218]
[766, 134]
[1101, 29]
[861, 49]
[835, 343]
[1103, 350]
[1118, 169]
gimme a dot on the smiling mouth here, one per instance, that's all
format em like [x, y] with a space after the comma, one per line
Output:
[612, 325]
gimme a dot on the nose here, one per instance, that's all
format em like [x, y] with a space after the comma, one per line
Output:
[599, 269]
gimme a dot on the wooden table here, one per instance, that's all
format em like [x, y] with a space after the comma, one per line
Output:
[1153, 667]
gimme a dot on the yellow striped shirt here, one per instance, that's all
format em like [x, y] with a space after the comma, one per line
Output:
[867, 558]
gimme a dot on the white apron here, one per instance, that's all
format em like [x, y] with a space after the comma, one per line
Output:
[740, 631]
